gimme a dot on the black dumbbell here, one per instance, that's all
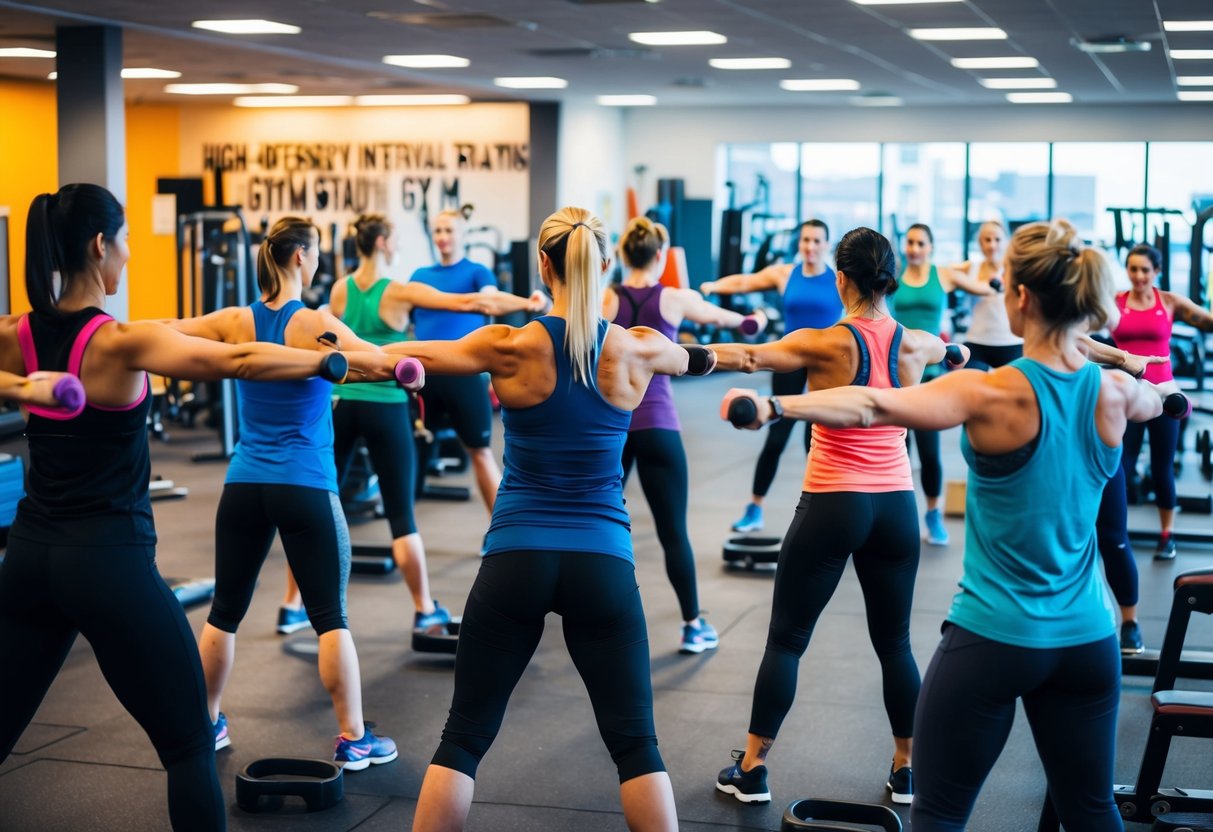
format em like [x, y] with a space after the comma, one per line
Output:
[743, 411]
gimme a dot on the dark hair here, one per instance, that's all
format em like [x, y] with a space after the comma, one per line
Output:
[287, 236]
[924, 228]
[814, 223]
[367, 229]
[58, 231]
[1072, 282]
[867, 260]
[1147, 251]
[642, 241]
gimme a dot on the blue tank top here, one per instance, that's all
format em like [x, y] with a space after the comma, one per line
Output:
[463, 277]
[1031, 567]
[562, 488]
[286, 427]
[811, 302]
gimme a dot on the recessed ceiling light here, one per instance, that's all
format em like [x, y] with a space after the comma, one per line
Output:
[1039, 97]
[899, 2]
[426, 61]
[1195, 95]
[408, 100]
[627, 100]
[1195, 80]
[988, 33]
[750, 63]
[876, 101]
[1111, 45]
[24, 52]
[1191, 54]
[1188, 25]
[293, 101]
[1018, 83]
[995, 63]
[231, 89]
[149, 72]
[535, 82]
[677, 38]
[247, 27]
[819, 84]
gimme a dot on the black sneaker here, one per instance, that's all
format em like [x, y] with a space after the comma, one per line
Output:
[747, 786]
[1130, 639]
[901, 785]
[1166, 548]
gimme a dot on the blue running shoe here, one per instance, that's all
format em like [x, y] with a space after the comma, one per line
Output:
[747, 786]
[222, 740]
[433, 623]
[290, 620]
[937, 535]
[698, 637]
[751, 521]
[355, 755]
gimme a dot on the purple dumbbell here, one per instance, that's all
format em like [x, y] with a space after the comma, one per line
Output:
[408, 370]
[750, 326]
[69, 392]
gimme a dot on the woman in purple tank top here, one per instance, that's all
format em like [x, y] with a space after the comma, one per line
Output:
[654, 442]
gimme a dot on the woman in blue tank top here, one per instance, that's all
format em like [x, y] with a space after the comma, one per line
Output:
[560, 539]
[1032, 620]
[282, 479]
[810, 300]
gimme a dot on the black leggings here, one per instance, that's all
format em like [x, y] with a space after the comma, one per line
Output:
[599, 603]
[1112, 534]
[387, 429]
[116, 599]
[782, 384]
[315, 538]
[966, 711]
[986, 357]
[1164, 437]
[882, 532]
[465, 400]
[930, 460]
[661, 463]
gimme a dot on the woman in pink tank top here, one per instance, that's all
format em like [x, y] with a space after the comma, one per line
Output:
[858, 500]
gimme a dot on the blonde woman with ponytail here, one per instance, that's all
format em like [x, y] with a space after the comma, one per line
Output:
[560, 539]
[1031, 620]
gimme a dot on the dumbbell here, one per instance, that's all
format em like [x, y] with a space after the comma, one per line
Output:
[1177, 406]
[996, 284]
[409, 371]
[742, 411]
[752, 325]
[334, 367]
[953, 355]
[69, 392]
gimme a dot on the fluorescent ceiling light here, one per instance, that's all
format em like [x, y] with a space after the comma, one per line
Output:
[899, 2]
[1188, 25]
[24, 52]
[410, 100]
[819, 84]
[876, 101]
[426, 61]
[1191, 54]
[750, 63]
[1039, 97]
[535, 82]
[247, 27]
[293, 101]
[627, 100]
[677, 38]
[1196, 95]
[1195, 80]
[1018, 83]
[958, 34]
[136, 72]
[231, 89]
[995, 63]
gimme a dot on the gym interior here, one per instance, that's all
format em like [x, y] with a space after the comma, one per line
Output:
[731, 123]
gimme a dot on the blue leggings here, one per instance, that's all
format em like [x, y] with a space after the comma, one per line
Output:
[1112, 534]
[966, 711]
[1164, 437]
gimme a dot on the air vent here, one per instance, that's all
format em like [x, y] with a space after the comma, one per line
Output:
[446, 20]
[596, 53]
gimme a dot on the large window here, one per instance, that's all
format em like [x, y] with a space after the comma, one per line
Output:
[839, 184]
[1008, 181]
[1091, 177]
[1180, 178]
[926, 183]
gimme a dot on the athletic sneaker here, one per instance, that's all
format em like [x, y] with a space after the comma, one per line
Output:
[222, 740]
[747, 786]
[901, 785]
[355, 755]
[290, 620]
[698, 637]
[1130, 639]
[440, 617]
[937, 535]
[1166, 547]
[751, 521]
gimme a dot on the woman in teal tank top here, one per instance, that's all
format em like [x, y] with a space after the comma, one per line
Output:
[1031, 620]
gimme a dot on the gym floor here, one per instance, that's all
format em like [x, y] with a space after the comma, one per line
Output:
[84, 763]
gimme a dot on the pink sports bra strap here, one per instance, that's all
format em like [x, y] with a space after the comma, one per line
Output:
[76, 357]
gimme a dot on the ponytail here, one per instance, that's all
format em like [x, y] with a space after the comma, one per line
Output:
[58, 231]
[642, 241]
[1072, 282]
[287, 236]
[575, 242]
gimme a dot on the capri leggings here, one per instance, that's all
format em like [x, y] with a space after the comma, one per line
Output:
[1112, 534]
[882, 532]
[599, 603]
[465, 400]
[314, 535]
[661, 463]
[782, 384]
[116, 599]
[387, 428]
[929, 459]
[966, 710]
[1164, 437]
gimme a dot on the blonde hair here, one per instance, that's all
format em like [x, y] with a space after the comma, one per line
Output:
[575, 242]
[641, 242]
[287, 236]
[1072, 282]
